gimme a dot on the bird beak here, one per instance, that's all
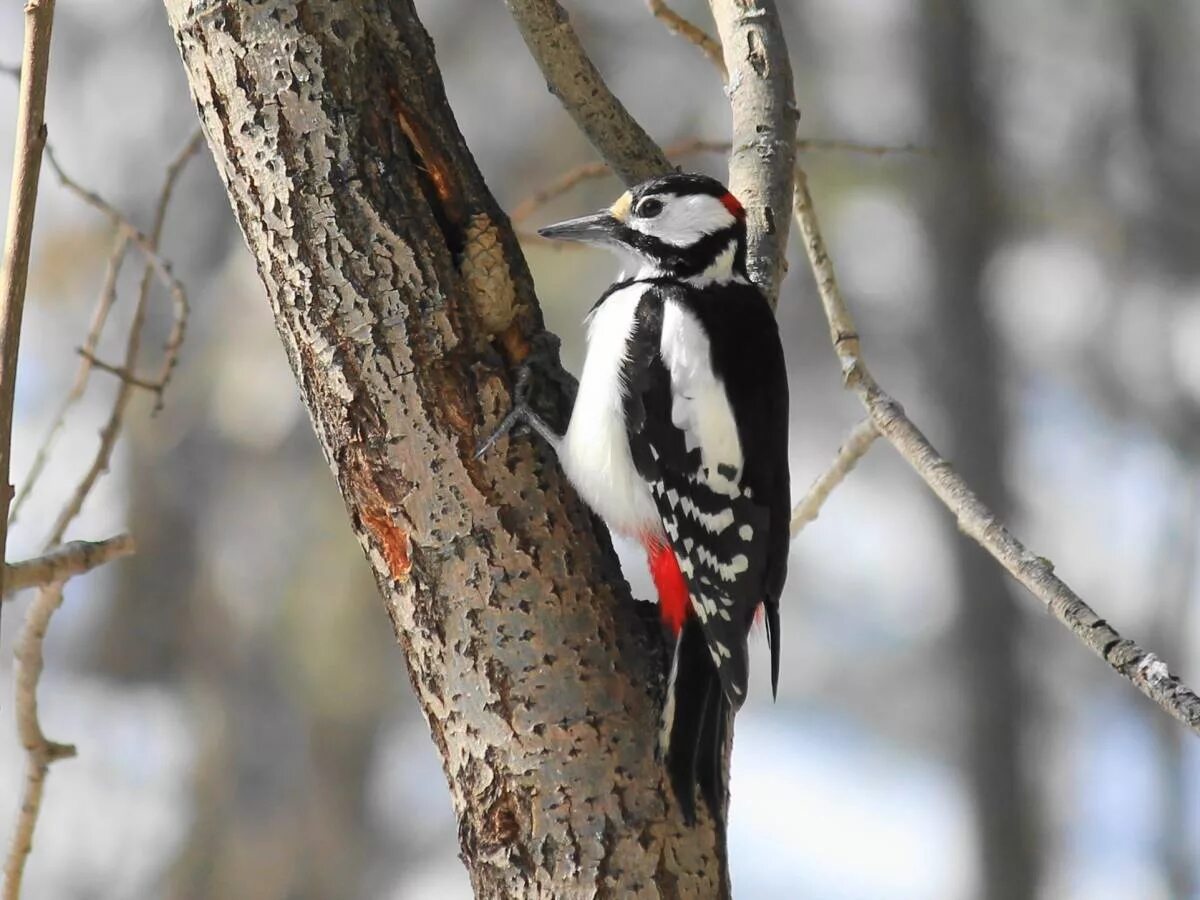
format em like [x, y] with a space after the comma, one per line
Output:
[598, 228]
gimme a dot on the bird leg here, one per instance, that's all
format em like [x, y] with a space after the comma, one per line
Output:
[521, 414]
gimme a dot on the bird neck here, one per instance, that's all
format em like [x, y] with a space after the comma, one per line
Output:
[719, 264]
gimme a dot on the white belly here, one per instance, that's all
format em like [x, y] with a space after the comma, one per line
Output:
[595, 450]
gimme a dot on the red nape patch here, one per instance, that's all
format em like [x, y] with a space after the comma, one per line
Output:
[673, 602]
[732, 204]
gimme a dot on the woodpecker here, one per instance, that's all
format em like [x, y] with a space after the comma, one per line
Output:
[679, 438]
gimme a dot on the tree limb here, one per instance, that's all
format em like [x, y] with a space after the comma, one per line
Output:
[857, 443]
[158, 267]
[575, 81]
[14, 269]
[40, 752]
[1147, 672]
[690, 32]
[765, 116]
[67, 561]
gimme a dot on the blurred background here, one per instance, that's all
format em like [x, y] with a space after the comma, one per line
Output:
[1029, 289]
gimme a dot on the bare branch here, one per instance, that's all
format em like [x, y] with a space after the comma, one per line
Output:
[59, 565]
[155, 266]
[1148, 673]
[118, 371]
[575, 81]
[40, 751]
[179, 300]
[857, 443]
[764, 130]
[835, 145]
[14, 269]
[108, 295]
[148, 245]
[65, 562]
[590, 171]
[690, 32]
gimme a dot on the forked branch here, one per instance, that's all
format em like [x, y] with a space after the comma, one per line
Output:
[50, 571]
[886, 417]
[65, 562]
[14, 269]
[857, 443]
[1148, 673]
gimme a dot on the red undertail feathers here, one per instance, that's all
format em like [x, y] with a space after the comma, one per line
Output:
[673, 600]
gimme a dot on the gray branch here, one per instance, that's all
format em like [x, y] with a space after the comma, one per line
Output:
[65, 562]
[765, 116]
[575, 81]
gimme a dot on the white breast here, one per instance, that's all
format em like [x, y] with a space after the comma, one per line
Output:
[595, 450]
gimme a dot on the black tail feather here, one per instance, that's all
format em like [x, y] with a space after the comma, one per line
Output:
[697, 730]
[710, 767]
[771, 615]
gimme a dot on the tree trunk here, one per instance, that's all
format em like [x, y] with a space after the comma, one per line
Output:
[400, 295]
[963, 220]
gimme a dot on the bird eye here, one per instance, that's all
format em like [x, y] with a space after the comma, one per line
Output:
[649, 208]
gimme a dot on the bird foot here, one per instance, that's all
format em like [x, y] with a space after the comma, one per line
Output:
[519, 416]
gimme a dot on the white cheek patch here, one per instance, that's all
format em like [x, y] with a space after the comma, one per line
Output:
[684, 220]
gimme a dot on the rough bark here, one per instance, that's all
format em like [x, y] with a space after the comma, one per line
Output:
[394, 278]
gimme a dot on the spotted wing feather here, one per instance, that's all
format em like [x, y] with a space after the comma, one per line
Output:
[715, 522]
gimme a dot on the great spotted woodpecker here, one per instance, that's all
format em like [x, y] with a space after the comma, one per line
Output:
[679, 438]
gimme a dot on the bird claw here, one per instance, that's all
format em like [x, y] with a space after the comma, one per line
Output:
[517, 418]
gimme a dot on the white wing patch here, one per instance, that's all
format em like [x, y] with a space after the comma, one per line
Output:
[699, 406]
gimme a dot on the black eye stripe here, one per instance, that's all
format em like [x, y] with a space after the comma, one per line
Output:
[649, 208]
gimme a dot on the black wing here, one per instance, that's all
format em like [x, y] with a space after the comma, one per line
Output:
[729, 533]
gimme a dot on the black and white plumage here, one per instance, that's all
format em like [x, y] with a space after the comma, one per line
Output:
[678, 437]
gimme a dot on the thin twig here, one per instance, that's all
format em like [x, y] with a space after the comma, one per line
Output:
[124, 374]
[155, 265]
[680, 150]
[65, 562]
[690, 32]
[40, 752]
[175, 337]
[857, 443]
[835, 145]
[148, 245]
[1148, 673]
[104, 303]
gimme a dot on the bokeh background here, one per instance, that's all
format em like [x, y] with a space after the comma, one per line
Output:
[1029, 289]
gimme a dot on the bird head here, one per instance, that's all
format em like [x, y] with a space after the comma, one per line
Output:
[678, 226]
